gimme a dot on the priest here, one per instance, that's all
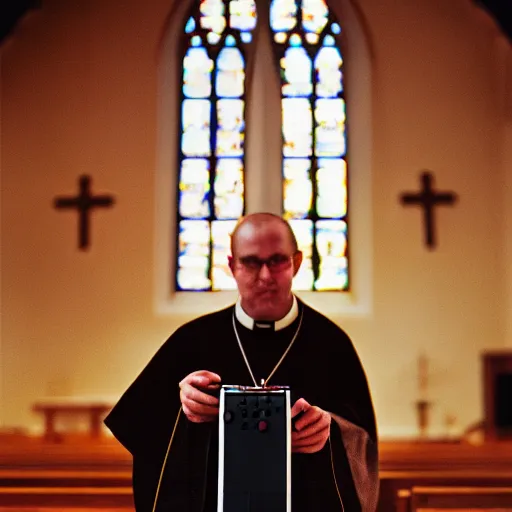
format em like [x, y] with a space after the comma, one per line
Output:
[168, 417]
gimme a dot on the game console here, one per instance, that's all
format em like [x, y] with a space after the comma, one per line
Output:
[254, 449]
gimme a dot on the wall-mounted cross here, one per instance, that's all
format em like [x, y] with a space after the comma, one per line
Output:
[84, 202]
[427, 199]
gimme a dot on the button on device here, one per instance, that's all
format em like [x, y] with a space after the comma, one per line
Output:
[228, 416]
[262, 426]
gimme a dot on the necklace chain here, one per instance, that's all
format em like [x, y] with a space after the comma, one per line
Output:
[264, 382]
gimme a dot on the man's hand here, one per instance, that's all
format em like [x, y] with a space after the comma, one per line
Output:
[312, 427]
[198, 406]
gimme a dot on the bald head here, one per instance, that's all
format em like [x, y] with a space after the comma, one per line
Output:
[258, 221]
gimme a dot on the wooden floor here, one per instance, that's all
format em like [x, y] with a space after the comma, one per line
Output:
[78, 475]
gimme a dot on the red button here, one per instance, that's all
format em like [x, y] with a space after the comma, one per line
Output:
[262, 426]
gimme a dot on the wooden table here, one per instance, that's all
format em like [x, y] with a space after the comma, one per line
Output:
[53, 407]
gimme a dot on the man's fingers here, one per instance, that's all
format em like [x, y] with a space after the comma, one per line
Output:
[311, 416]
[197, 381]
[299, 406]
[202, 381]
[197, 411]
[198, 405]
[310, 432]
[190, 415]
[204, 378]
[197, 418]
[313, 431]
[201, 378]
[193, 394]
[315, 421]
[311, 444]
[199, 408]
[310, 435]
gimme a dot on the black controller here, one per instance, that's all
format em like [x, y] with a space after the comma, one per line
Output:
[255, 412]
[214, 391]
[254, 449]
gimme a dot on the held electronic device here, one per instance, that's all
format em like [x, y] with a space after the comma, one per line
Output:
[254, 449]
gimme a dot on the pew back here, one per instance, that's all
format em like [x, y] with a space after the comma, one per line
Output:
[460, 499]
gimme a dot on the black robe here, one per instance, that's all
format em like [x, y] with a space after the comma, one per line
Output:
[322, 367]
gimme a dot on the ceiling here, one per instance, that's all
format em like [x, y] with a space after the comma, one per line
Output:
[11, 11]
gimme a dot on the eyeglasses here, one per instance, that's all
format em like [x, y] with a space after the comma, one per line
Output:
[276, 262]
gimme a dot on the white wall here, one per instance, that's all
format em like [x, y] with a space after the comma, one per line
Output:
[505, 64]
[79, 93]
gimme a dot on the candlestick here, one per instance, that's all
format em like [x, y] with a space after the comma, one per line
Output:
[422, 376]
[422, 409]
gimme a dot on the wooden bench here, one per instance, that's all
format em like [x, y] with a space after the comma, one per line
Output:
[437, 499]
[403, 500]
[104, 498]
[41, 477]
[52, 407]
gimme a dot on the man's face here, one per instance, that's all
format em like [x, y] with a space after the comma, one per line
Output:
[264, 264]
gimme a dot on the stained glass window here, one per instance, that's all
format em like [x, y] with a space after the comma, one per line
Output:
[211, 140]
[315, 193]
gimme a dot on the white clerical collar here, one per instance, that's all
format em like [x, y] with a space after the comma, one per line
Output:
[252, 324]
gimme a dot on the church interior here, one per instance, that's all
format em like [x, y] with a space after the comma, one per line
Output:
[91, 96]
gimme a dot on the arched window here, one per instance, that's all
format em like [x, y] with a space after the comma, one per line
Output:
[212, 130]
[212, 133]
[319, 51]
[314, 139]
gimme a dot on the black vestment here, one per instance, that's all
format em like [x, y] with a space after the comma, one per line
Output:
[322, 367]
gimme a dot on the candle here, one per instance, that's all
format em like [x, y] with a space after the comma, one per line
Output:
[422, 376]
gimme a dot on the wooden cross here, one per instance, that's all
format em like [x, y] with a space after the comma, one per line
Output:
[427, 198]
[84, 202]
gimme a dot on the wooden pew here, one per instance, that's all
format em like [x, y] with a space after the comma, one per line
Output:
[77, 474]
[103, 498]
[403, 500]
[81, 461]
[65, 478]
[407, 464]
[446, 498]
